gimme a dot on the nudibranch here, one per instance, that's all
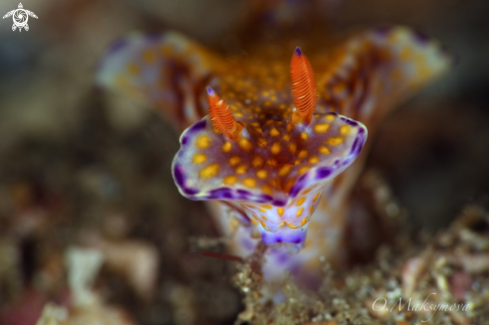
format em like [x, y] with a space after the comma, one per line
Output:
[268, 143]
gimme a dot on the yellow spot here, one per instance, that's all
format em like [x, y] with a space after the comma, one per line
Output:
[339, 88]
[149, 56]
[280, 211]
[304, 221]
[226, 147]
[262, 209]
[274, 132]
[200, 158]
[230, 180]
[284, 170]
[275, 149]
[167, 50]
[303, 154]
[241, 169]
[267, 190]
[203, 142]
[303, 169]
[406, 53]
[245, 144]
[261, 142]
[133, 69]
[321, 128]
[272, 162]
[209, 171]
[258, 161]
[234, 160]
[264, 217]
[324, 151]
[261, 174]
[254, 222]
[315, 197]
[238, 114]
[292, 148]
[306, 191]
[313, 160]
[304, 136]
[299, 212]
[263, 224]
[250, 182]
[291, 226]
[286, 137]
[330, 117]
[311, 209]
[344, 129]
[334, 141]
[301, 201]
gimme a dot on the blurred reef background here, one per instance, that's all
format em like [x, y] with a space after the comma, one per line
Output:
[82, 168]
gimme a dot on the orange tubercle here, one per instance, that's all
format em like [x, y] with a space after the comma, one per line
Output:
[221, 117]
[303, 88]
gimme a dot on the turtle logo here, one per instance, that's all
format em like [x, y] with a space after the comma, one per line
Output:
[20, 17]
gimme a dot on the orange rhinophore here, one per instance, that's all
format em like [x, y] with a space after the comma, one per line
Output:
[221, 116]
[303, 87]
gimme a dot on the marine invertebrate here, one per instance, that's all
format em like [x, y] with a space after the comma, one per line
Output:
[271, 157]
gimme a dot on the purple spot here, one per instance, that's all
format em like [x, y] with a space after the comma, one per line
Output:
[296, 189]
[382, 30]
[351, 122]
[283, 258]
[346, 162]
[210, 92]
[298, 51]
[153, 38]
[355, 144]
[359, 149]
[361, 131]
[266, 197]
[279, 203]
[178, 175]
[198, 126]
[189, 191]
[243, 192]
[185, 140]
[323, 172]
[297, 241]
[221, 193]
[421, 37]
[117, 45]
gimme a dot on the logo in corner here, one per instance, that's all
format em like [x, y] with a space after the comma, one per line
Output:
[20, 17]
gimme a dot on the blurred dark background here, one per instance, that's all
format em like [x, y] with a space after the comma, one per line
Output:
[78, 164]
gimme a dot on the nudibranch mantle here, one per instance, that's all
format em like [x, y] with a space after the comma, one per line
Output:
[273, 173]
